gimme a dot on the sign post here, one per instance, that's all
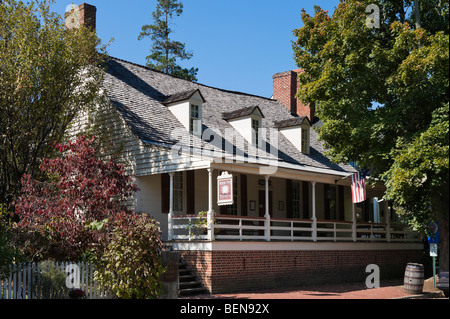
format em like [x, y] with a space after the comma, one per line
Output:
[433, 240]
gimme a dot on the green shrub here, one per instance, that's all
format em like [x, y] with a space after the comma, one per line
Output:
[131, 265]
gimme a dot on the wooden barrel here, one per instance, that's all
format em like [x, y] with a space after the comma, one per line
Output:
[414, 278]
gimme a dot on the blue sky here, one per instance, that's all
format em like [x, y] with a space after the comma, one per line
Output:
[237, 44]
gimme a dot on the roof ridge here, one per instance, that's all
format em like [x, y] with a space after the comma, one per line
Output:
[205, 85]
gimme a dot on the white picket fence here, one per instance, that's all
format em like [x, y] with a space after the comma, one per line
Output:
[50, 280]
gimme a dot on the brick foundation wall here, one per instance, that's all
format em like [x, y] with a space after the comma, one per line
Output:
[231, 271]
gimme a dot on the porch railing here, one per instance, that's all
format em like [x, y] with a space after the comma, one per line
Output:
[243, 228]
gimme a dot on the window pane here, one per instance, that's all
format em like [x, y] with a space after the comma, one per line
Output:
[255, 133]
[194, 111]
[305, 140]
[295, 200]
[332, 201]
[178, 192]
[194, 119]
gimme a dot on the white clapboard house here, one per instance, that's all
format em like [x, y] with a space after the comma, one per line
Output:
[288, 217]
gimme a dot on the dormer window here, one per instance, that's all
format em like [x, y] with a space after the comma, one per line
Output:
[305, 140]
[297, 131]
[187, 108]
[247, 122]
[256, 124]
[195, 121]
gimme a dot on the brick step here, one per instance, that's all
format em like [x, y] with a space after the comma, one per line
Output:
[183, 271]
[185, 278]
[192, 291]
[188, 283]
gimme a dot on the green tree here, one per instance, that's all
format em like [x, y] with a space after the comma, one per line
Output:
[165, 52]
[47, 76]
[9, 253]
[418, 177]
[380, 93]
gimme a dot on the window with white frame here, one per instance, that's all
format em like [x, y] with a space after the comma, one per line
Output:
[178, 192]
[305, 140]
[255, 131]
[194, 120]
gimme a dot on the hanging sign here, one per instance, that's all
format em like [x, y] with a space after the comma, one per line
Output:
[225, 189]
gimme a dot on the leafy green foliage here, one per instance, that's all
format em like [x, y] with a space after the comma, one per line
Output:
[372, 87]
[8, 252]
[131, 266]
[199, 226]
[165, 52]
[52, 281]
[47, 76]
[382, 95]
[418, 178]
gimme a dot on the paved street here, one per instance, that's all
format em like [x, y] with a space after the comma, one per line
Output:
[388, 290]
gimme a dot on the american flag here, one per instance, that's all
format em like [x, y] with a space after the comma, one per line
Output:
[358, 187]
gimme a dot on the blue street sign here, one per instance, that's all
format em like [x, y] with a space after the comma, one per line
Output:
[433, 232]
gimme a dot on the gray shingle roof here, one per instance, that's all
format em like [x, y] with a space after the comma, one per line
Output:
[182, 96]
[246, 111]
[139, 93]
[292, 122]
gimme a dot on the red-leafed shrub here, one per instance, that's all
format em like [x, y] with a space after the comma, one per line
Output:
[79, 211]
[64, 216]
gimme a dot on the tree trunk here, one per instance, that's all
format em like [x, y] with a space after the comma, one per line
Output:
[443, 241]
[401, 11]
[417, 14]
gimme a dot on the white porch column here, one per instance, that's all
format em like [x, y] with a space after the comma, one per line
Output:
[170, 218]
[314, 217]
[267, 214]
[388, 221]
[354, 221]
[210, 217]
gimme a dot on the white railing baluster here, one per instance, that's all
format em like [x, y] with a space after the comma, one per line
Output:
[240, 229]
[292, 231]
[284, 229]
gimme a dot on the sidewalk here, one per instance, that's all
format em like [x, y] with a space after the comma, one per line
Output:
[388, 290]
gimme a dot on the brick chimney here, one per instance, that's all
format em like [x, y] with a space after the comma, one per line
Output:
[83, 14]
[285, 86]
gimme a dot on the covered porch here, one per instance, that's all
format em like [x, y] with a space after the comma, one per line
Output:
[288, 205]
